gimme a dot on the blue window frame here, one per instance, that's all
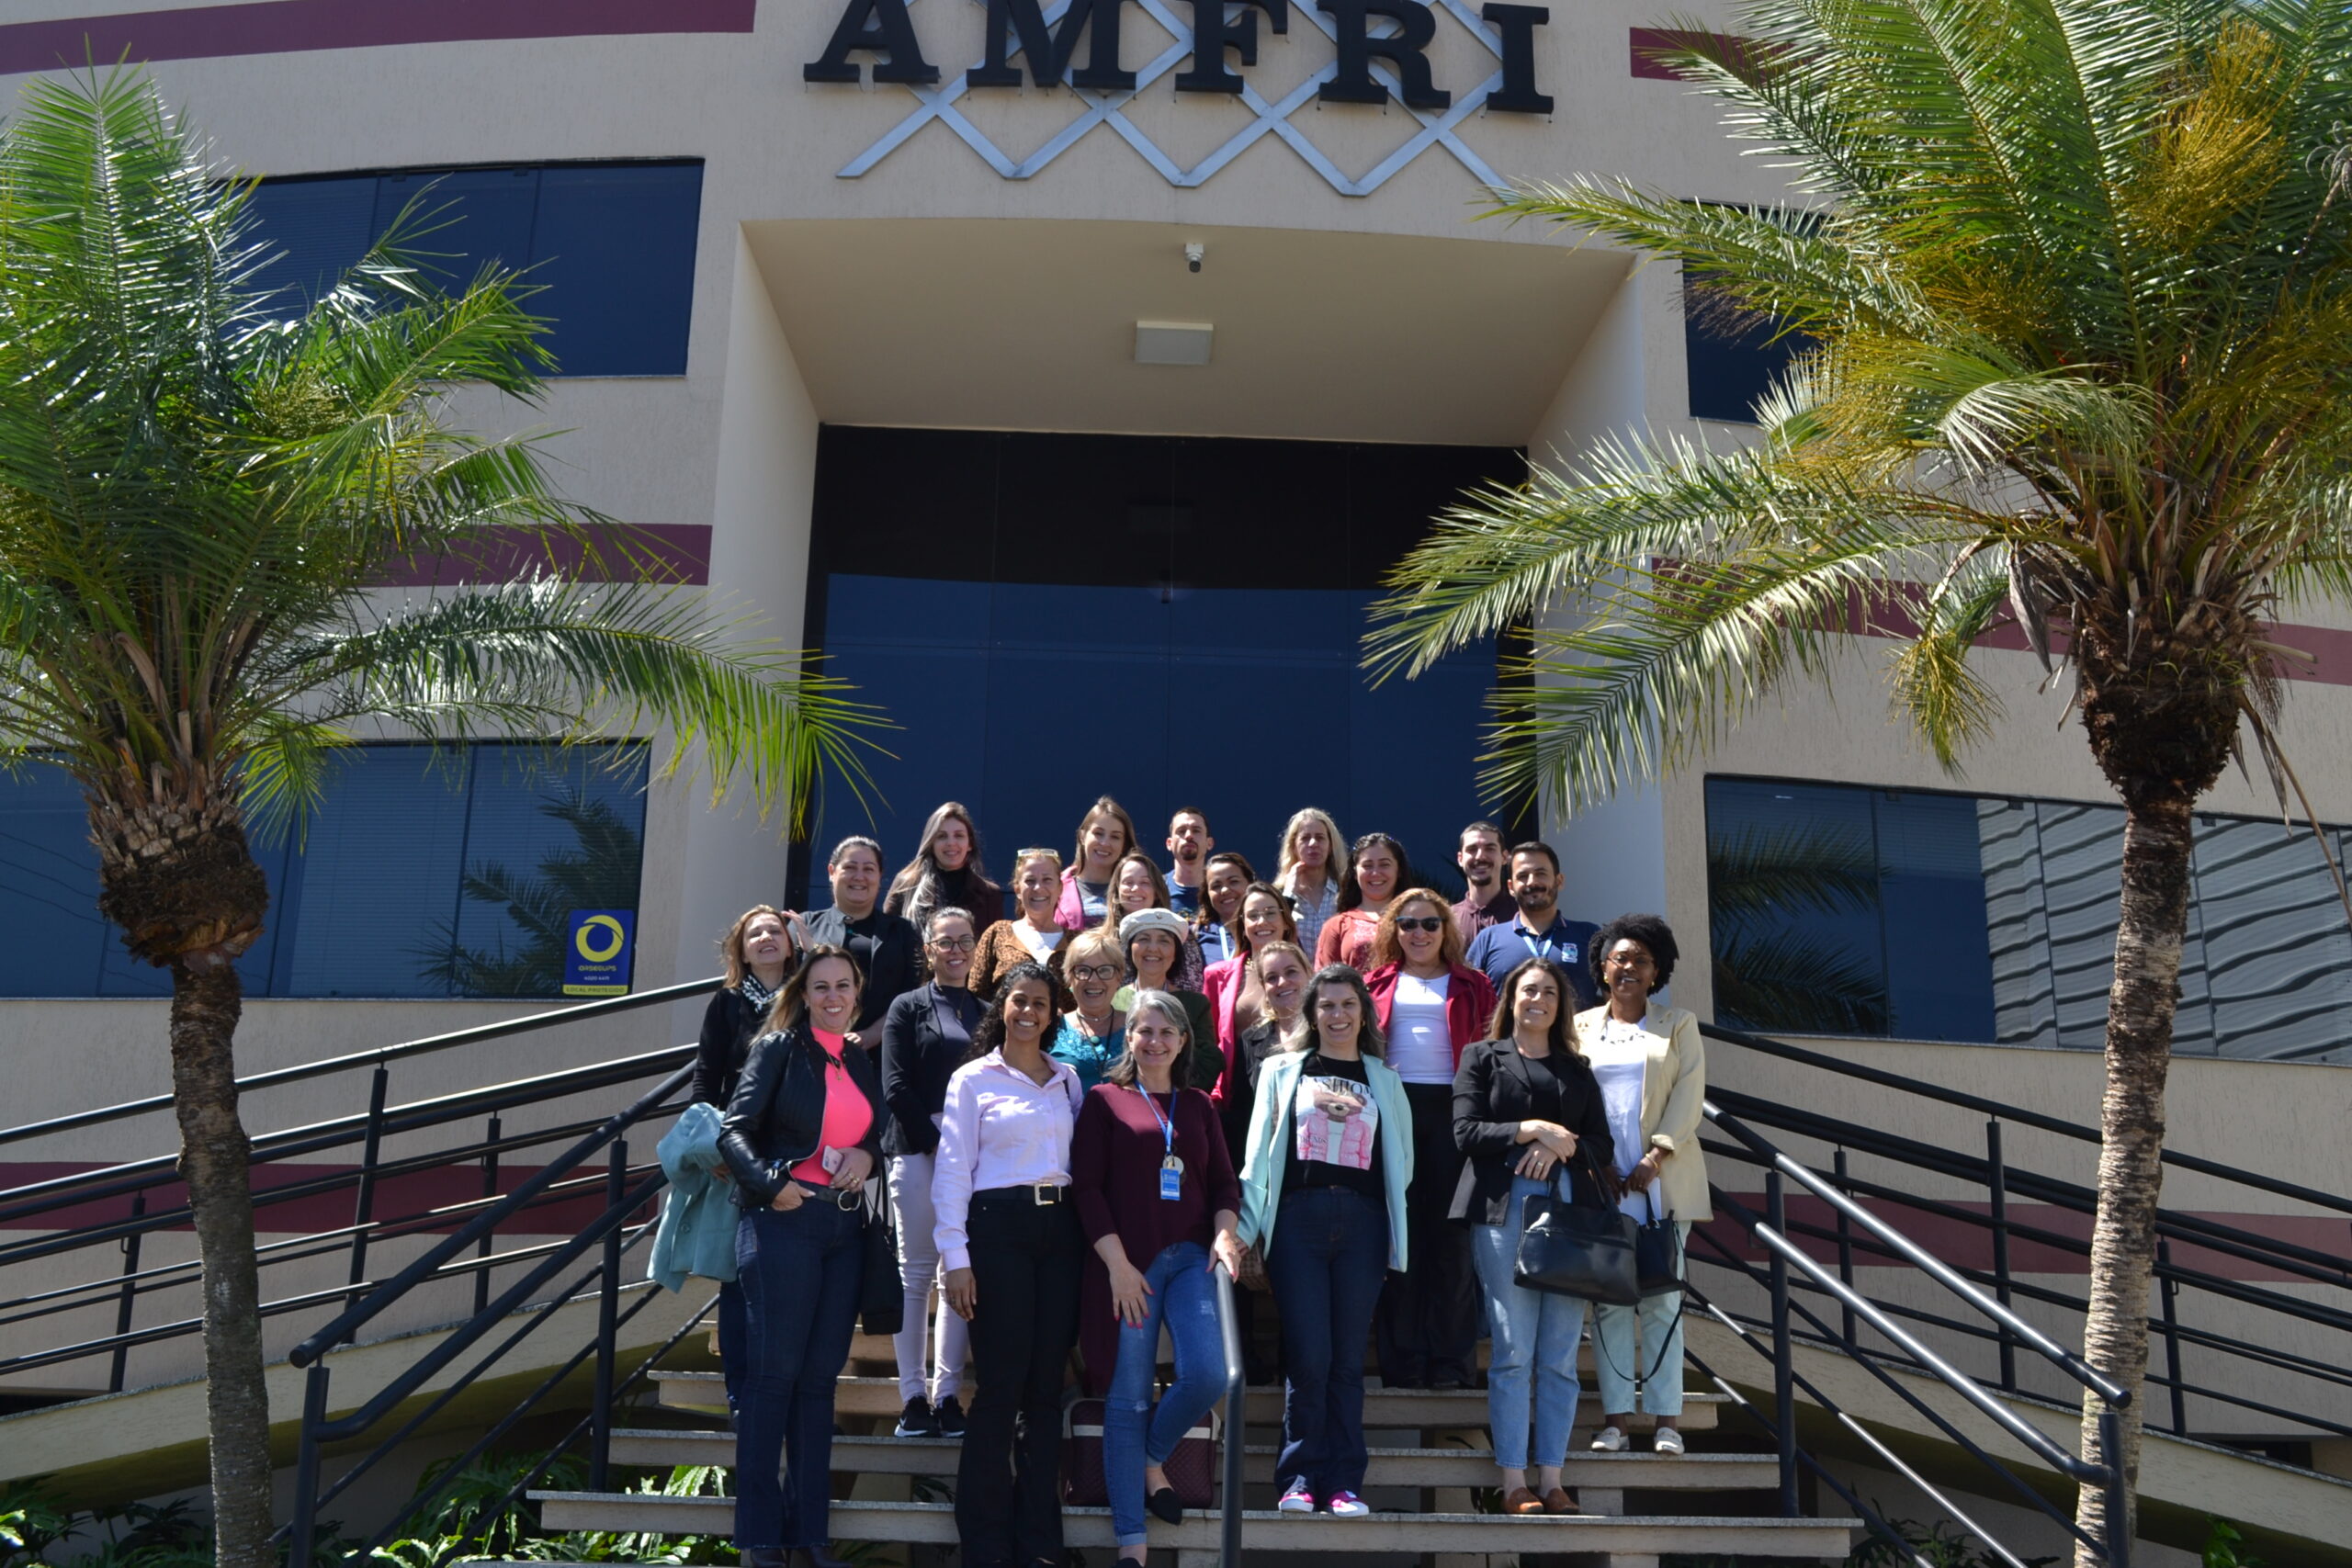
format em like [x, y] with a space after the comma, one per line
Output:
[425, 872]
[610, 245]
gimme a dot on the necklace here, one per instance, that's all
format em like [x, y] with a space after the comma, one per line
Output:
[1092, 1030]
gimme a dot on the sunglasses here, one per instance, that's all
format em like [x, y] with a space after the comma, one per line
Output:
[1422, 923]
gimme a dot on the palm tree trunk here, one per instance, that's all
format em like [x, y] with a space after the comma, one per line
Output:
[207, 999]
[2154, 917]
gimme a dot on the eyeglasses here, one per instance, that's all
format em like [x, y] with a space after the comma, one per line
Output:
[1420, 923]
[1629, 961]
[955, 943]
[1096, 971]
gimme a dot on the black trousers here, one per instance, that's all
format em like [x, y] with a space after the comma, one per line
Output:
[1026, 1266]
[1430, 1317]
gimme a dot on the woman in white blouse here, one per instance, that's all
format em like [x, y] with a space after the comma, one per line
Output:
[1652, 1075]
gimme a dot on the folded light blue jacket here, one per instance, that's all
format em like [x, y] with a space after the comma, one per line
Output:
[696, 1234]
[1266, 1156]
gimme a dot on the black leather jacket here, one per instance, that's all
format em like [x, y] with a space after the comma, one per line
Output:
[778, 1112]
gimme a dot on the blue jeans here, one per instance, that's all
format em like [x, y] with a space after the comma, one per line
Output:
[800, 1274]
[1329, 1253]
[1535, 1335]
[1656, 1360]
[1184, 1297]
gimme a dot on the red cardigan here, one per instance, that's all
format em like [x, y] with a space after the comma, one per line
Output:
[1469, 1002]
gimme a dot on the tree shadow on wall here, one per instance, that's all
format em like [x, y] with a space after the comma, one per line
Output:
[599, 870]
[1769, 971]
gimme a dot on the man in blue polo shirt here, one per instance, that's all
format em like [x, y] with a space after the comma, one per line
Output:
[1540, 931]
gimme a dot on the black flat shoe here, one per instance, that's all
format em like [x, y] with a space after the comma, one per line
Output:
[767, 1557]
[817, 1557]
[1164, 1506]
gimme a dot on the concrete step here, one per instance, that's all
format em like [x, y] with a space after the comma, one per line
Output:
[1397, 1408]
[1390, 1467]
[1640, 1537]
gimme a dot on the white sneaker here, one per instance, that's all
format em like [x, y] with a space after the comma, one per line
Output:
[1668, 1441]
[1609, 1440]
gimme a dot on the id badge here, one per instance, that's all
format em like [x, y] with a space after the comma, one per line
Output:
[1172, 1181]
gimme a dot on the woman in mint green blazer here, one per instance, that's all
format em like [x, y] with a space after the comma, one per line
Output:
[1329, 1154]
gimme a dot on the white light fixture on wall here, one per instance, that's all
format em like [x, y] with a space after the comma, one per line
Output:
[1172, 342]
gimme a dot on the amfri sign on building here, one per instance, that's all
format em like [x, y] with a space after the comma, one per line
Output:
[1380, 53]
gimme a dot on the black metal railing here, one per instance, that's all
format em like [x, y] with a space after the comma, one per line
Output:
[1786, 1259]
[2257, 1311]
[1236, 1416]
[138, 1199]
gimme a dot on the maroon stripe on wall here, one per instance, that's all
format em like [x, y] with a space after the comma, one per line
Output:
[284, 27]
[1647, 43]
[655, 552]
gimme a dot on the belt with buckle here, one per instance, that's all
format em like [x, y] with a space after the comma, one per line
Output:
[1035, 1194]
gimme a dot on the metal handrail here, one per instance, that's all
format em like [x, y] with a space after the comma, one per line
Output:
[2017, 1114]
[2074, 1365]
[1237, 1398]
[382, 1055]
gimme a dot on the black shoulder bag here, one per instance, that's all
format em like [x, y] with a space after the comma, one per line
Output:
[1573, 1250]
[1658, 1251]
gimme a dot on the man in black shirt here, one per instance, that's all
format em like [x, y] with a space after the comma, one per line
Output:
[885, 946]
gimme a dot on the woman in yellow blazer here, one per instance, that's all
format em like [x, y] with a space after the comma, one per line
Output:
[1652, 1075]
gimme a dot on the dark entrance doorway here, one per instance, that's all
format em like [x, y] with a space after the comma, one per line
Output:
[1173, 621]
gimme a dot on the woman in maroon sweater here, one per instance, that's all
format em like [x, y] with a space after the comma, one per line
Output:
[1157, 1198]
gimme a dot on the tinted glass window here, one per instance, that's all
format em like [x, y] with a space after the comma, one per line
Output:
[422, 874]
[1169, 621]
[610, 247]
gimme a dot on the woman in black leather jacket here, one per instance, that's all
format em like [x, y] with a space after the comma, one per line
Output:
[802, 1137]
[758, 952]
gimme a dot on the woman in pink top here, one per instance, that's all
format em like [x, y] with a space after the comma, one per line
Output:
[1235, 1000]
[802, 1136]
[1008, 1235]
[1376, 869]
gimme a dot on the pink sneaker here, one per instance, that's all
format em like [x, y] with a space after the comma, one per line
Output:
[1297, 1500]
[1348, 1506]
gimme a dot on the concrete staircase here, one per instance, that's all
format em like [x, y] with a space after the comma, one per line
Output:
[1429, 1464]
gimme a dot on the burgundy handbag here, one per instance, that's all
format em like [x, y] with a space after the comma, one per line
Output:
[1191, 1469]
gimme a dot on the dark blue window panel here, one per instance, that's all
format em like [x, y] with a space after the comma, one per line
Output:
[610, 247]
[615, 244]
[423, 873]
[321, 227]
[1731, 367]
[1931, 887]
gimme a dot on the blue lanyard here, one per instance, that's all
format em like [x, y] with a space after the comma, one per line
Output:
[1537, 947]
[1167, 1123]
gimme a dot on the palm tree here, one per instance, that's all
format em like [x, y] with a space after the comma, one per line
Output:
[2071, 293]
[197, 496]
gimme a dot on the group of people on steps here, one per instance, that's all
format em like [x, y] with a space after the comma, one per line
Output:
[1086, 1091]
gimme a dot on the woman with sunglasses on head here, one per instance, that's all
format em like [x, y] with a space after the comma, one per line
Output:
[1432, 1006]
[1376, 868]
[1528, 1116]
[1217, 928]
[1106, 834]
[802, 1138]
[758, 952]
[1092, 1035]
[925, 1037]
[1009, 1235]
[1651, 1069]
[1323, 1189]
[1032, 932]
[1305, 873]
[945, 873]
[1157, 1198]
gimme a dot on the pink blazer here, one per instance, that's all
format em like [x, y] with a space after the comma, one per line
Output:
[1469, 1002]
[1071, 913]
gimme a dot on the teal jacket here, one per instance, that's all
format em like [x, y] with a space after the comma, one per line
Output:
[1266, 1156]
[696, 1234]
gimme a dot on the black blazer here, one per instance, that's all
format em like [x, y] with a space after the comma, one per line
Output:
[917, 1061]
[885, 946]
[777, 1116]
[1495, 1090]
[728, 1026]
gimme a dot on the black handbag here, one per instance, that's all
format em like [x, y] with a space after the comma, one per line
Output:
[1658, 1252]
[1575, 1249]
[881, 1295]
